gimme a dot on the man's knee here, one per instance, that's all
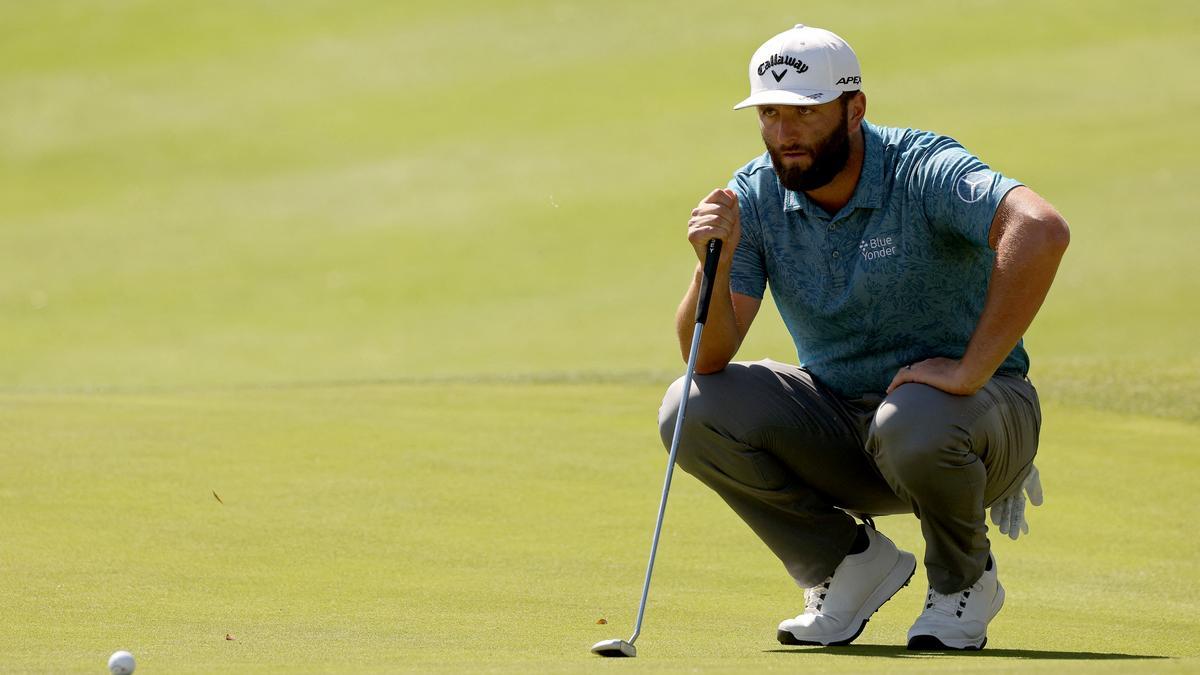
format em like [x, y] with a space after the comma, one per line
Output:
[704, 410]
[668, 412]
[909, 439]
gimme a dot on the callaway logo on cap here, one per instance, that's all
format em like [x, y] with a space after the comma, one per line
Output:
[802, 66]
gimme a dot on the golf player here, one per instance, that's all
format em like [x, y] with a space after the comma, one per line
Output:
[906, 271]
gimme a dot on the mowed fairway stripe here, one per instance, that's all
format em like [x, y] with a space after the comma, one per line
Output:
[546, 377]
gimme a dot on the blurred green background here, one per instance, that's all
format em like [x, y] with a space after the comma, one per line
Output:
[260, 192]
[216, 213]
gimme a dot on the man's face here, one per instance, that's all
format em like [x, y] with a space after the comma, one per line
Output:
[809, 145]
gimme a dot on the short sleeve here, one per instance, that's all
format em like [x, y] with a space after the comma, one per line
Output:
[748, 273]
[959, 193]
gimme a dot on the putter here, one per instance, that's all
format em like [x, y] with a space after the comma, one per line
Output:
[622, 647]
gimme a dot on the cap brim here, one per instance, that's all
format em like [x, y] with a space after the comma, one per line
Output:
[785, 97]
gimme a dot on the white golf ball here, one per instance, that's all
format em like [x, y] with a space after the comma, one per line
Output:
[121, 663]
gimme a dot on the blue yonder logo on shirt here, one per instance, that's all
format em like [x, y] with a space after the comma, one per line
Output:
[877, 247]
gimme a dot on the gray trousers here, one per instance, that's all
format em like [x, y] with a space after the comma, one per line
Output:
[793, 459]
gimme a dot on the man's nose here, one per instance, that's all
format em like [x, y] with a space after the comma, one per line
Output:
[787, 131]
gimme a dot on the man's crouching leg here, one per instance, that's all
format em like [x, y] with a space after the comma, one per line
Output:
[723, 444]
[949, 457]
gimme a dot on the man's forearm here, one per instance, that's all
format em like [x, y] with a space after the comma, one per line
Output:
[721, 337]
[1027, 258]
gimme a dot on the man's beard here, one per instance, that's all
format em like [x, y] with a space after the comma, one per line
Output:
[829, 157]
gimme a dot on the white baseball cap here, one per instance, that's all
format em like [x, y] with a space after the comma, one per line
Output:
[802, 66]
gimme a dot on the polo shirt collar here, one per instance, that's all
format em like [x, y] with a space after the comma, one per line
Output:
[868, 194]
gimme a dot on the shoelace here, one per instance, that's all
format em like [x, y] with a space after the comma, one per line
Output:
[950, 605]
[814, 597]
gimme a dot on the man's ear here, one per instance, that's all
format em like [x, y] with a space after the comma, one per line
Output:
[856, 109]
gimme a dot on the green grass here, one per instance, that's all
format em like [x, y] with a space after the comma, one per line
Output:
[396, 282]
[462, 527]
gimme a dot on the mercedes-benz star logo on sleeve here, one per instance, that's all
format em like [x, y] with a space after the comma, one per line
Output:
[974, 186]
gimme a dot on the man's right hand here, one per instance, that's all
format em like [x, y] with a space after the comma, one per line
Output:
[730, 314]
[716, 217]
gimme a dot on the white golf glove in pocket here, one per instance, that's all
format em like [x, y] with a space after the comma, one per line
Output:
[1009, 513]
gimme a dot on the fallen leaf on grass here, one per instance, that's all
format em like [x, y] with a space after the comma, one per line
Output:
[601, 621]
[229, 637]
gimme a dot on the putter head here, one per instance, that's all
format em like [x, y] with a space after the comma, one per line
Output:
[614, 648]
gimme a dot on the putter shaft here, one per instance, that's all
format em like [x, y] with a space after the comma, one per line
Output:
[623, 648]
[662, 504]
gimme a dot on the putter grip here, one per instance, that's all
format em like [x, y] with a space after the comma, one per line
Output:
[706, 283]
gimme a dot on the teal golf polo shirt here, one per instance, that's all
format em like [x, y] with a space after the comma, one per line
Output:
[897, 276]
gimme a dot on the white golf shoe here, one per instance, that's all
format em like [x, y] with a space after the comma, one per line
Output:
[958, 620]
[836, 611]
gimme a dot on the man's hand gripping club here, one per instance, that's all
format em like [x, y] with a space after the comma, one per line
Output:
[715, 217]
